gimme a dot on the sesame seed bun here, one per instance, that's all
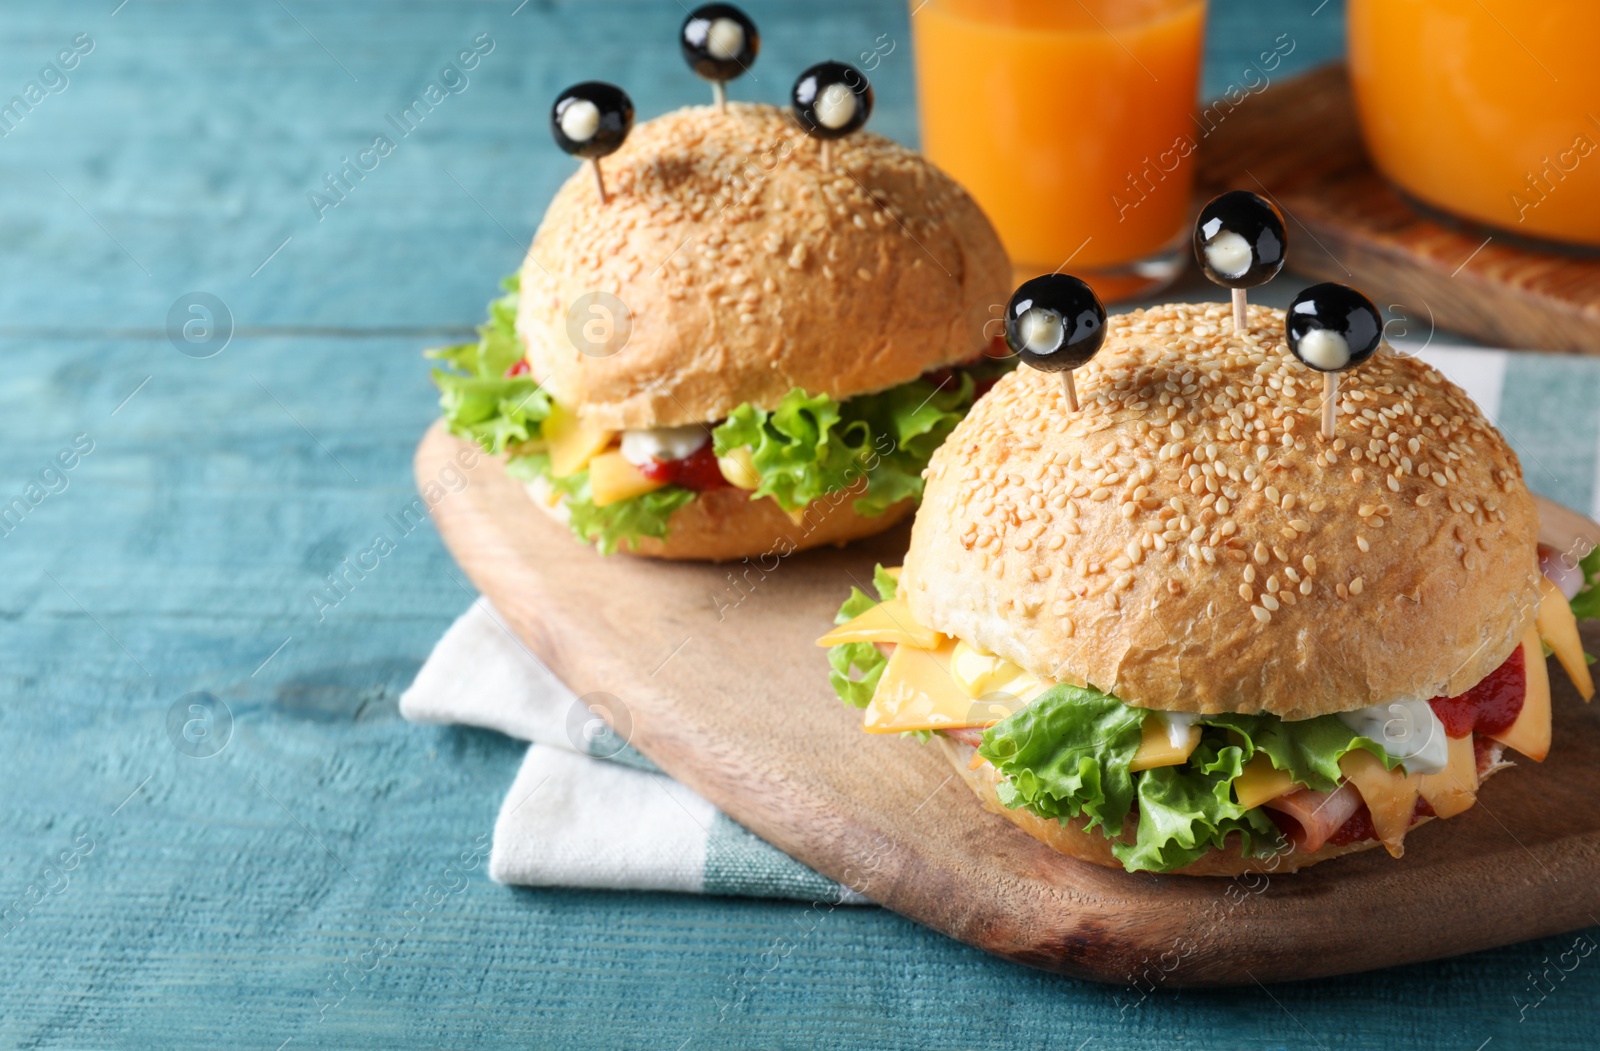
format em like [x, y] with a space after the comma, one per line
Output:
[1187, 541]
[748, 271]
[724, 525]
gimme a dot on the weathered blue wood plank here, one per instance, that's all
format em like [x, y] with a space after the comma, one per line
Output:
[187, 141]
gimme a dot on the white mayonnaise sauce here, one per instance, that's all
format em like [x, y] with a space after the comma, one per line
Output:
[725, 39]
[1407, 730]
[662, 443]
[1229, 254]
[1178, 724]
[580, 120]
[836, 107]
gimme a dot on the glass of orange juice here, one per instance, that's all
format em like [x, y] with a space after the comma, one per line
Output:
[1486, 109]
[1072, 124]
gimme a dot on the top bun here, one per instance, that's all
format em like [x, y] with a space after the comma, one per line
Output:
[748, 271]
[1188, 541]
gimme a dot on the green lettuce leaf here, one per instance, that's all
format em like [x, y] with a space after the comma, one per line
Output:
[856, 667]
[1308, 749]
[873, 445]
[476, 397]
[505, 415]
[614, 525]
[1185, 811]
[1067, 754]
[1586, 603]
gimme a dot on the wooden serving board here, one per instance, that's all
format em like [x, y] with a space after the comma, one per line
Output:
[1299, 143]
[727, 692]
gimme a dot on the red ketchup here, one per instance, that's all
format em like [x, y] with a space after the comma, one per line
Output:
[1359, 828]
[1489, 707]
[521, 368]
[697, 471]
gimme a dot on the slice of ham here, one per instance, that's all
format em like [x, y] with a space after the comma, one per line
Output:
[971, 736]
[1562, 569]
[1317, 815]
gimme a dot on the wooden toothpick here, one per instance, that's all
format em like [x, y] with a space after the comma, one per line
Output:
[1070, 390]
[1330, 403]
[599, 179]
[1239, 322]
[719, 92]
[827, 156]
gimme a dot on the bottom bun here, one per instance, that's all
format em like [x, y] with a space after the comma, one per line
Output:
[723, 525]
[1071, 839]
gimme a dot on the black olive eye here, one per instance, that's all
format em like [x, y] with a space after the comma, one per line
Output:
[832, 99]
[1055, 323]
[719, 42]
[1239, 240]
[1332, 327]
[591, 119]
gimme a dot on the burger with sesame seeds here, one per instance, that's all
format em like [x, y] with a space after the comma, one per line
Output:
[737, 351]
[1179, 630]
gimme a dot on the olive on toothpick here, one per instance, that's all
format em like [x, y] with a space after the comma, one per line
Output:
[831, 100]
[591, 120]
[1056, 323]
[720, 43]
[1239, 241]
[1332, 328]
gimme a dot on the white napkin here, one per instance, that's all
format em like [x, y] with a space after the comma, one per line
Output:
[587, 810]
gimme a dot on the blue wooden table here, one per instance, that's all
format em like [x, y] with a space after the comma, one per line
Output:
[216, 830]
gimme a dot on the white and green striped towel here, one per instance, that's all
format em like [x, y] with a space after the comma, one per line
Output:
[586, 810]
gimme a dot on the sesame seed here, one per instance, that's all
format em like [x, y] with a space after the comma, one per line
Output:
[1261, 614]
[1355, 586]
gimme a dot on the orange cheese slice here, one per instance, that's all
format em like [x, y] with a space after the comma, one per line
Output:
[1530, 734]
[1156, 747]
[613, 478]
[1260, 781]
[889, 622]
[918, 692]
[1390, 795]
[1558, 627]
[573, 442]
[1455, 788]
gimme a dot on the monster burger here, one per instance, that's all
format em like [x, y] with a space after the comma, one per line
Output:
[739, 350]
[1178, 630]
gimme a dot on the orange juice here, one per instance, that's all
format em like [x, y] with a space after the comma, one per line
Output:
[1070, 123]
[1489, 109]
